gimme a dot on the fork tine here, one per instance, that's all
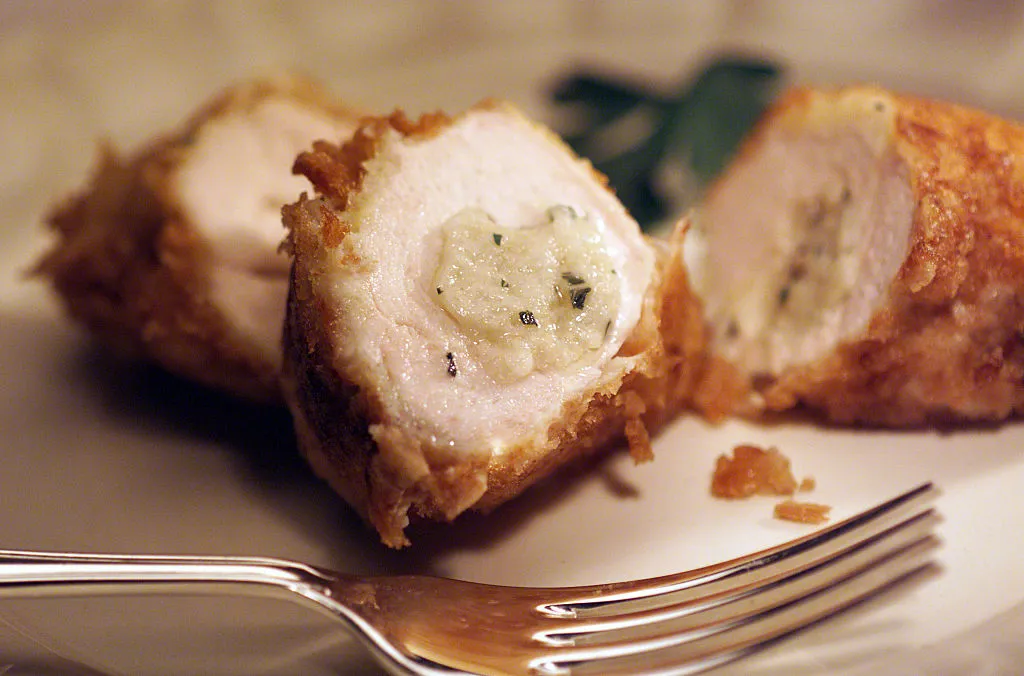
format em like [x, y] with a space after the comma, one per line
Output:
[709, 646]
[746, 600]
[616, 599]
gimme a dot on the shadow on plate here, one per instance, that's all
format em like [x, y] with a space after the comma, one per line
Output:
[809, 418]
[136, 393]
[259, 437]
[136, 396]
[474, 531]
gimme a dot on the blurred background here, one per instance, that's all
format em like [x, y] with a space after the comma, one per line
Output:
[72, 71]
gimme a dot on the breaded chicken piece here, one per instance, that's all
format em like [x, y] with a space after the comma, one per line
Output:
[864, 256]
[470, 309]
[172, 254]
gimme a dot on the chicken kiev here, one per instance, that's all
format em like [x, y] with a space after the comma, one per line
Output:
[470, 308]
[172, 254]
[864, 256]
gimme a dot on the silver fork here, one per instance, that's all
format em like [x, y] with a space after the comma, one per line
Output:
[676, 624]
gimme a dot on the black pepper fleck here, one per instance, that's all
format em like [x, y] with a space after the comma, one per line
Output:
[504, 284]
[527, 318]
[452, 369]
[439, 291]
[572, 278]
[579, 297]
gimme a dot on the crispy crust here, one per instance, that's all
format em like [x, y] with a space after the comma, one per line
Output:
[389, 475]
[130, 267]
[948, 344]
[699, 379]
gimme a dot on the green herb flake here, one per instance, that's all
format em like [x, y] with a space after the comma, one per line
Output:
[497, 238]
[452, 369]
[783, 295]
[579, 297]
[504, 284]
[527, 318]
[572, 278]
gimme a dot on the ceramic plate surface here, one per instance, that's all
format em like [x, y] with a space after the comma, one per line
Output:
[103, 456]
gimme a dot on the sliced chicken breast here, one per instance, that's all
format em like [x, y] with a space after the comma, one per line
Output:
[470, 309]
[172, 254]
[864, 256]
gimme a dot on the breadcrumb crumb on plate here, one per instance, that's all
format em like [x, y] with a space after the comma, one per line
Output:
[752, 470]
[802, 512]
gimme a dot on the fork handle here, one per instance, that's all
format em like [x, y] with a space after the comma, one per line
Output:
[29, 574]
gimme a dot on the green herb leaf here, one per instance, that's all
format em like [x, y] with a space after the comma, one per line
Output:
[699, 127]
[497, 238]
[724, 103]
[616, 97]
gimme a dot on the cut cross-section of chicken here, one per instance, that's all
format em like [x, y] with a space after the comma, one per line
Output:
[172, 254]
[864, 256]
[470, 308]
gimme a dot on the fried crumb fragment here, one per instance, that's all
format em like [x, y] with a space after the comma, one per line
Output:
[802, 512]
[752, 470]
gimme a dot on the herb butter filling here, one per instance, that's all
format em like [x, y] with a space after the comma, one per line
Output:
[817, 272]
[530, 299]
[821, 269]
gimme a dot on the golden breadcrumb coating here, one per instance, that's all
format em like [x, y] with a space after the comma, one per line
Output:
[947, 342]
[129, 265]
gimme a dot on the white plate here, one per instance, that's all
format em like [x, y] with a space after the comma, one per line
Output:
[99, 456]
